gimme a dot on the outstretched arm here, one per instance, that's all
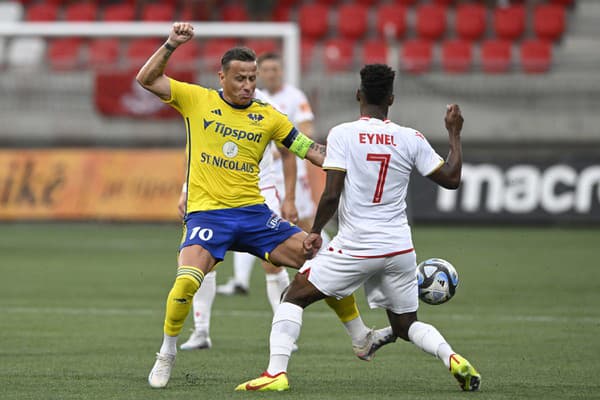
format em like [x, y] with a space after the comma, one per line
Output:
[152, 75]
[449, 174]
[330, 199]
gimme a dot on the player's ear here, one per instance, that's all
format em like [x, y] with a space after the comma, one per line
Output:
[221, 76]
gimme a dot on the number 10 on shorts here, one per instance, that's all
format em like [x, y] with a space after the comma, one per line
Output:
[202, 233]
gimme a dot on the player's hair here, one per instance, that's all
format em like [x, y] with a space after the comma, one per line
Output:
[237, 54]
[269, 56]
[377, 83]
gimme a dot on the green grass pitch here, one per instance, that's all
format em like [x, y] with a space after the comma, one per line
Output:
[81, 309]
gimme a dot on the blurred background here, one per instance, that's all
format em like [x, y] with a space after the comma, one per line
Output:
[79, 139]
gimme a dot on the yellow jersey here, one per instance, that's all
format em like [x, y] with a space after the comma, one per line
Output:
[225, 143]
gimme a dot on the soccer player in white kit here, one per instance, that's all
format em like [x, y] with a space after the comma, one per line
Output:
[368, 166]
[291, 101]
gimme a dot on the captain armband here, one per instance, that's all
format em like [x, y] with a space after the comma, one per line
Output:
[300, 145]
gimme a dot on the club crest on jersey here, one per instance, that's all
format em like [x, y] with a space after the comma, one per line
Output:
[255, 118]
[230, 149]
[274, 221]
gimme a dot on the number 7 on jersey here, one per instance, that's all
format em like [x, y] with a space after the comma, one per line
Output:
[384, 160]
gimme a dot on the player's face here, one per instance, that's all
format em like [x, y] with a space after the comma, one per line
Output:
[239, 82]
[271, 75]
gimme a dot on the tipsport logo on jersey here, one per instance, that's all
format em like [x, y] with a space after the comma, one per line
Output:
[237, 134]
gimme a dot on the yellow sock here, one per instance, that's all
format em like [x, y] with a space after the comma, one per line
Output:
[179, 300]
[346, 308]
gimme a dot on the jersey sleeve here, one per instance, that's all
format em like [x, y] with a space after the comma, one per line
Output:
[185, 96]
[282, 128]
[336, 150]
[426, 159]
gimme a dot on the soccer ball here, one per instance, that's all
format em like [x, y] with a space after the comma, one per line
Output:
[437, 279]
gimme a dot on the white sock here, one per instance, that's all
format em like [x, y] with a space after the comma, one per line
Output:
[431, 341]
[169, 345]
[285, 330]
[203, 301]
[276, 284]
[242, 268]
[357, 330]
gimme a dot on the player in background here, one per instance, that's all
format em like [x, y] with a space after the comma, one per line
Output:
[227, 133]
[277, 278]
[292, 102]
[368, 166]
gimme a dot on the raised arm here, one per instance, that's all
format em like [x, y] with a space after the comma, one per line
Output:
[330, 199]
[152, 75]
[449, 174]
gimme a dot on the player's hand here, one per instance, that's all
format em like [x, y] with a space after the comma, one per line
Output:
[312, 244]
[180, 33]
[181, 204]
[453, 119]
[289, 211]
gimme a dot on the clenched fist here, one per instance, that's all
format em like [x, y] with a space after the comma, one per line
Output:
[453, 119]
[180, 33]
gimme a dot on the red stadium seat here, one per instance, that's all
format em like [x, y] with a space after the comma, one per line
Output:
[338, 54]
[549, 21]
[352, 20]
[103, 53]
[431, 21]
[81, 12]
[457, 56]
[417, 55]
[41, 12]
[261, 46]
[536, 56]
[470, 21]
[118, 12]
[375, 52]
[186, 57]
[313, 20]
[234, 13]
[214, 50]
[63, 53]
[391, 20]
[509, 22]
[496, 55]
[139, 50]
[159, 12]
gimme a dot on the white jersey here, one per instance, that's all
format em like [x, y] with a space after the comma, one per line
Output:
[266, 174]
[378, 157]
[293, 102]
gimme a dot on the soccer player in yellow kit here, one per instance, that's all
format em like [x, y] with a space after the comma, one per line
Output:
[227, 132]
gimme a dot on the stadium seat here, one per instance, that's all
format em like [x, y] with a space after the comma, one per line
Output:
[496, 56]
[536, 56]
[118, 12]
[103, 53]
[139, 50]
[509, 22]
[158, 12]
[338, 54]
[11, 11]
[375, 51]
[313, 20]
[186, 57]
[41, 12]
[214, 49]
[261, 46]
[234, 13]
[352, 20]
[417, 55]
[64, 53]
[391, 20]
[431, 21]
[457, 55]
[76, 12]
[470, 21]
[26, 52]
[549, 21]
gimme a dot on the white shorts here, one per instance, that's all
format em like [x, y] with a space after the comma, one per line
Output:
[390, 282]
[304, 201]
[272, 198]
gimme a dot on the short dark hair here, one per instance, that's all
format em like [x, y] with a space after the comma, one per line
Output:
[377, 83]
[237, 54]
[271, 55]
